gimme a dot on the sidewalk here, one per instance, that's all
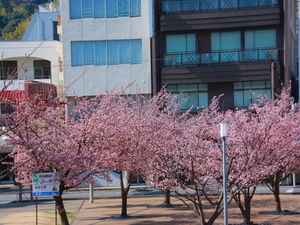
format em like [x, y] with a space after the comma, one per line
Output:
[141, 211]
[107, 211]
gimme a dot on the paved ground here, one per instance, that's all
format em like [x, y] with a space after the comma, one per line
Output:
[142, 212]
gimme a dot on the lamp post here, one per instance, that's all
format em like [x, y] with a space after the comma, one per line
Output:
[223, 135]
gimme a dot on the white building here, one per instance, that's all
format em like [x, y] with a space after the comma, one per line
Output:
[106, 44]
[37, 57]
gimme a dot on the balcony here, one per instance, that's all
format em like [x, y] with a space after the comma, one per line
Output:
[220, 57]
[192, 6]
[191, 15]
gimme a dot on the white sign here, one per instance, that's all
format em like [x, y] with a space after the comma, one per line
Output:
[45, 184]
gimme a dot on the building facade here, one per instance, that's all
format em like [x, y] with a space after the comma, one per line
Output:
[106, 44]
[211, 47]
[30, 66]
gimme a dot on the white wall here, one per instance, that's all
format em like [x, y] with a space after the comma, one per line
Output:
[25, 52]
[92, 80]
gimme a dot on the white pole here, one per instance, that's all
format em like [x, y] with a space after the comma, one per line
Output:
[91, 194]
[225, 183]
[223, 134]
[294, 179]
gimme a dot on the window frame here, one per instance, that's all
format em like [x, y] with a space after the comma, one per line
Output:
[76, 9]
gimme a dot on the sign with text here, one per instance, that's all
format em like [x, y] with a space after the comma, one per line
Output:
[45, 184]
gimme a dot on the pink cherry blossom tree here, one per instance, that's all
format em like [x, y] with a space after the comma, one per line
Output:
[117, 118]
[186, 159]
[46, 142]
[267, 131]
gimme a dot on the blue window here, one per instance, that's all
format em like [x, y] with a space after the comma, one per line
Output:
[225, 46]
[191, 95]
[243, 96]
[263, 42]
[180, 49]
[100, 53]
[104, 8]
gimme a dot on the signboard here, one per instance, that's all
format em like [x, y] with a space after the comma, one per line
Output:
[45, 184]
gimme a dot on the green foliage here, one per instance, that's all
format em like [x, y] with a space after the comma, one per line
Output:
[14, 15]
[18, 31]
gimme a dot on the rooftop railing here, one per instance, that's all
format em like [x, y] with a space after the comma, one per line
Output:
[220, 57]
[190, 6]
[49, 7]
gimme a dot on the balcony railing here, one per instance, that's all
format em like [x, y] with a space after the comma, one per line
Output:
[220, 57]
[190, 6]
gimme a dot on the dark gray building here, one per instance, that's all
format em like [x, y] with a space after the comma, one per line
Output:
[209, 47]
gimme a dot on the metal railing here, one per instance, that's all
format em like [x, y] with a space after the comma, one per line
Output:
[49, 7]
[220, 57]
[190, 6]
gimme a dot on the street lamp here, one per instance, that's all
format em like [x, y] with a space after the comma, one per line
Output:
[223, 135]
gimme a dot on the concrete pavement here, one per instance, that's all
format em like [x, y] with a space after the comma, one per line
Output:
[74, 200]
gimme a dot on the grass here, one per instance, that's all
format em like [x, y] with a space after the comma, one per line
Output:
[70, 215]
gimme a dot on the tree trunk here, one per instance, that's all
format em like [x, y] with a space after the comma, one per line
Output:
[167, 200]
[124, 195]
[275, 188]
[60, 207]
[277, 197]
[124, 205]
[245, 206]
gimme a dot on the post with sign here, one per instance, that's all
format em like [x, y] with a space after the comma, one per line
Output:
[43, 185]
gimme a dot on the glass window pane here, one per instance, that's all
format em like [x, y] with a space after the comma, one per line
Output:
[113, 57]
[238, 99]
[268, 93]
[100, 52]
[268, 83]
[176, 43]
[203, 87]
[192, 101]
[136, 51]
[123, 8]
[203, 100]
[247, 85]
[89, 52]
[265, 38]
[230, 40]
[209, 5]
[135, 8]
[75, 9]
[238, 85]
[87, 9]
[111, 8]
[99, 8]
[172, 88]
[258, 84]
[125, 51]
[187, 87]
[247, 98]
[228, 4]
[215, 41]
[77, 53]
[171, 6]
[249, 39]
[191, 42]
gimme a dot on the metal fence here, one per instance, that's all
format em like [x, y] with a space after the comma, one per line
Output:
[220, 57]
[189, 6]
